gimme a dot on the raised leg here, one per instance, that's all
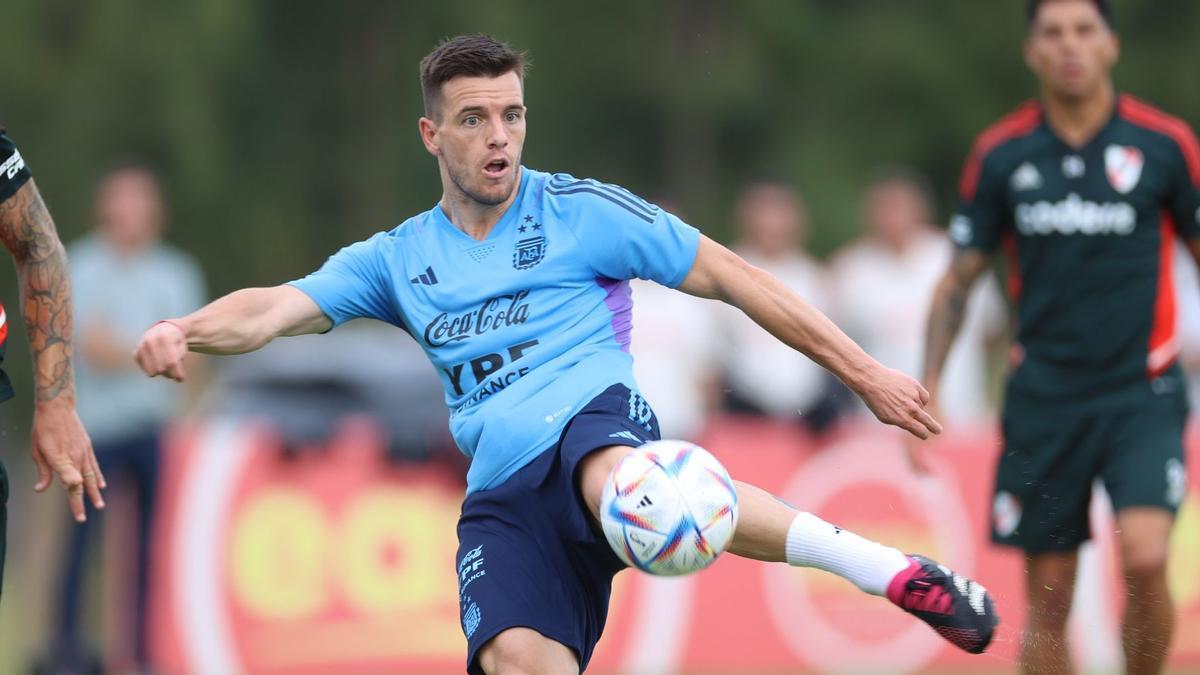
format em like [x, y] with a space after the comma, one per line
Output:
[771, 531]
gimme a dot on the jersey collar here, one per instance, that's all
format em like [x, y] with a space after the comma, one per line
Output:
[505, 222]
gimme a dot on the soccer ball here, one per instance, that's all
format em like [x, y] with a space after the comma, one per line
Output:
[669, 508]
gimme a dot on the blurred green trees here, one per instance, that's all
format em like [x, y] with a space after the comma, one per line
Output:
[287, 129]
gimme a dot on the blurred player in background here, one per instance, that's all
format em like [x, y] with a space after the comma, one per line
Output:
[516, 285]
[882, 284]
[762, 375]
[124, 277]
[1086, 190]
[59, 443]
[675, 350]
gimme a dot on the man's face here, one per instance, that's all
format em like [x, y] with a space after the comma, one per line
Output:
[478, 135]
[1070, 48]
[129, 208]
[895, 211]
[771, 219]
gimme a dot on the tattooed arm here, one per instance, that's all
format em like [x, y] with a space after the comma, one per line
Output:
[947, 311]
[59, 442]
[29, 235]
[946, 314]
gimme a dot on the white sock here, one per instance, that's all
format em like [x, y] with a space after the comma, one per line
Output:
[812, 542]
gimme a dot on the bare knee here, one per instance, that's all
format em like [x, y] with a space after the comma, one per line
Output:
[1146, 565]
[1144, 536]
[524, 651]
[594, 470]
[1051, 588]
[1145, 574]
[1049, 608]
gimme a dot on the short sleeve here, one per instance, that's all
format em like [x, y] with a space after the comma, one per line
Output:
[13, 171]
[1185, 197]
[981, 212]
[354, 283]
[623, 236]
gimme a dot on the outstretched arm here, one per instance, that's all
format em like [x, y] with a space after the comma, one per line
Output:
[59, 442]
[240, 322]
[894, 397]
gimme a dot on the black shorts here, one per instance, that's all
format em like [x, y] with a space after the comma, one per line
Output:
[529, 554]
[3, 522]
[6, 390]
[1053, 454]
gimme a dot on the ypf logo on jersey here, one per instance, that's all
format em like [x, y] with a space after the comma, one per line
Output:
[1123, 165]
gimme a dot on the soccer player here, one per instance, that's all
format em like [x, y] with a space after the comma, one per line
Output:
[1085, 189]
[59, 443]
[516, 285]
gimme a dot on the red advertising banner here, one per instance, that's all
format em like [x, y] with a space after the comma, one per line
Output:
[335, 561]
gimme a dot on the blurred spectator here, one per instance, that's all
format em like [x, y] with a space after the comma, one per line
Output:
[305, 387]
[762, 375]
[884, 281]
[674, 350]
[1187, 304]
[124, 279]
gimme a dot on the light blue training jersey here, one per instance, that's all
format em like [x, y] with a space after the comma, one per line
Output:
[525, 327]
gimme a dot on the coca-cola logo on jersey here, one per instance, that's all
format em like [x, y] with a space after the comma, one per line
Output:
[493, 314]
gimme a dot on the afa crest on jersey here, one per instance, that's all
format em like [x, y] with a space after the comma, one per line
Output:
[1123, 166]
[529, 252]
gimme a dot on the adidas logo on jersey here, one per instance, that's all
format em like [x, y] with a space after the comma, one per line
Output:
[426, 278]
[1073, 215]
[1026, 177]
[12, 165]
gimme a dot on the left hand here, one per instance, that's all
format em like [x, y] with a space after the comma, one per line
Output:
[899, 400]
[60, 445]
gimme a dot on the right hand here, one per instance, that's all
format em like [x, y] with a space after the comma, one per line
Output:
[161, 351]
[60, 445]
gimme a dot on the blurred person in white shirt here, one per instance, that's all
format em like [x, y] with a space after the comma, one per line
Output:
[124, 278]
[1187, 307]
[674, 354]
[761, 375]
[883, 283]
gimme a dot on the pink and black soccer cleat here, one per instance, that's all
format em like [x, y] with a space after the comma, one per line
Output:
[959, 609]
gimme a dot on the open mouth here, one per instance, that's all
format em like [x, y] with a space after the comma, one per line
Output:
[495, 168]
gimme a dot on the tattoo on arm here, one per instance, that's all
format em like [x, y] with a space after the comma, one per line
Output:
[29, 235]
[948, 309]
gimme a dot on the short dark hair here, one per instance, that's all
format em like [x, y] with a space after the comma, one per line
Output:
[1102, 6]
[900, 174]
[132, 163]
[472, 55]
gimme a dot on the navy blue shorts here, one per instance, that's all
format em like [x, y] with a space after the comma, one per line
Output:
[529, 554]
